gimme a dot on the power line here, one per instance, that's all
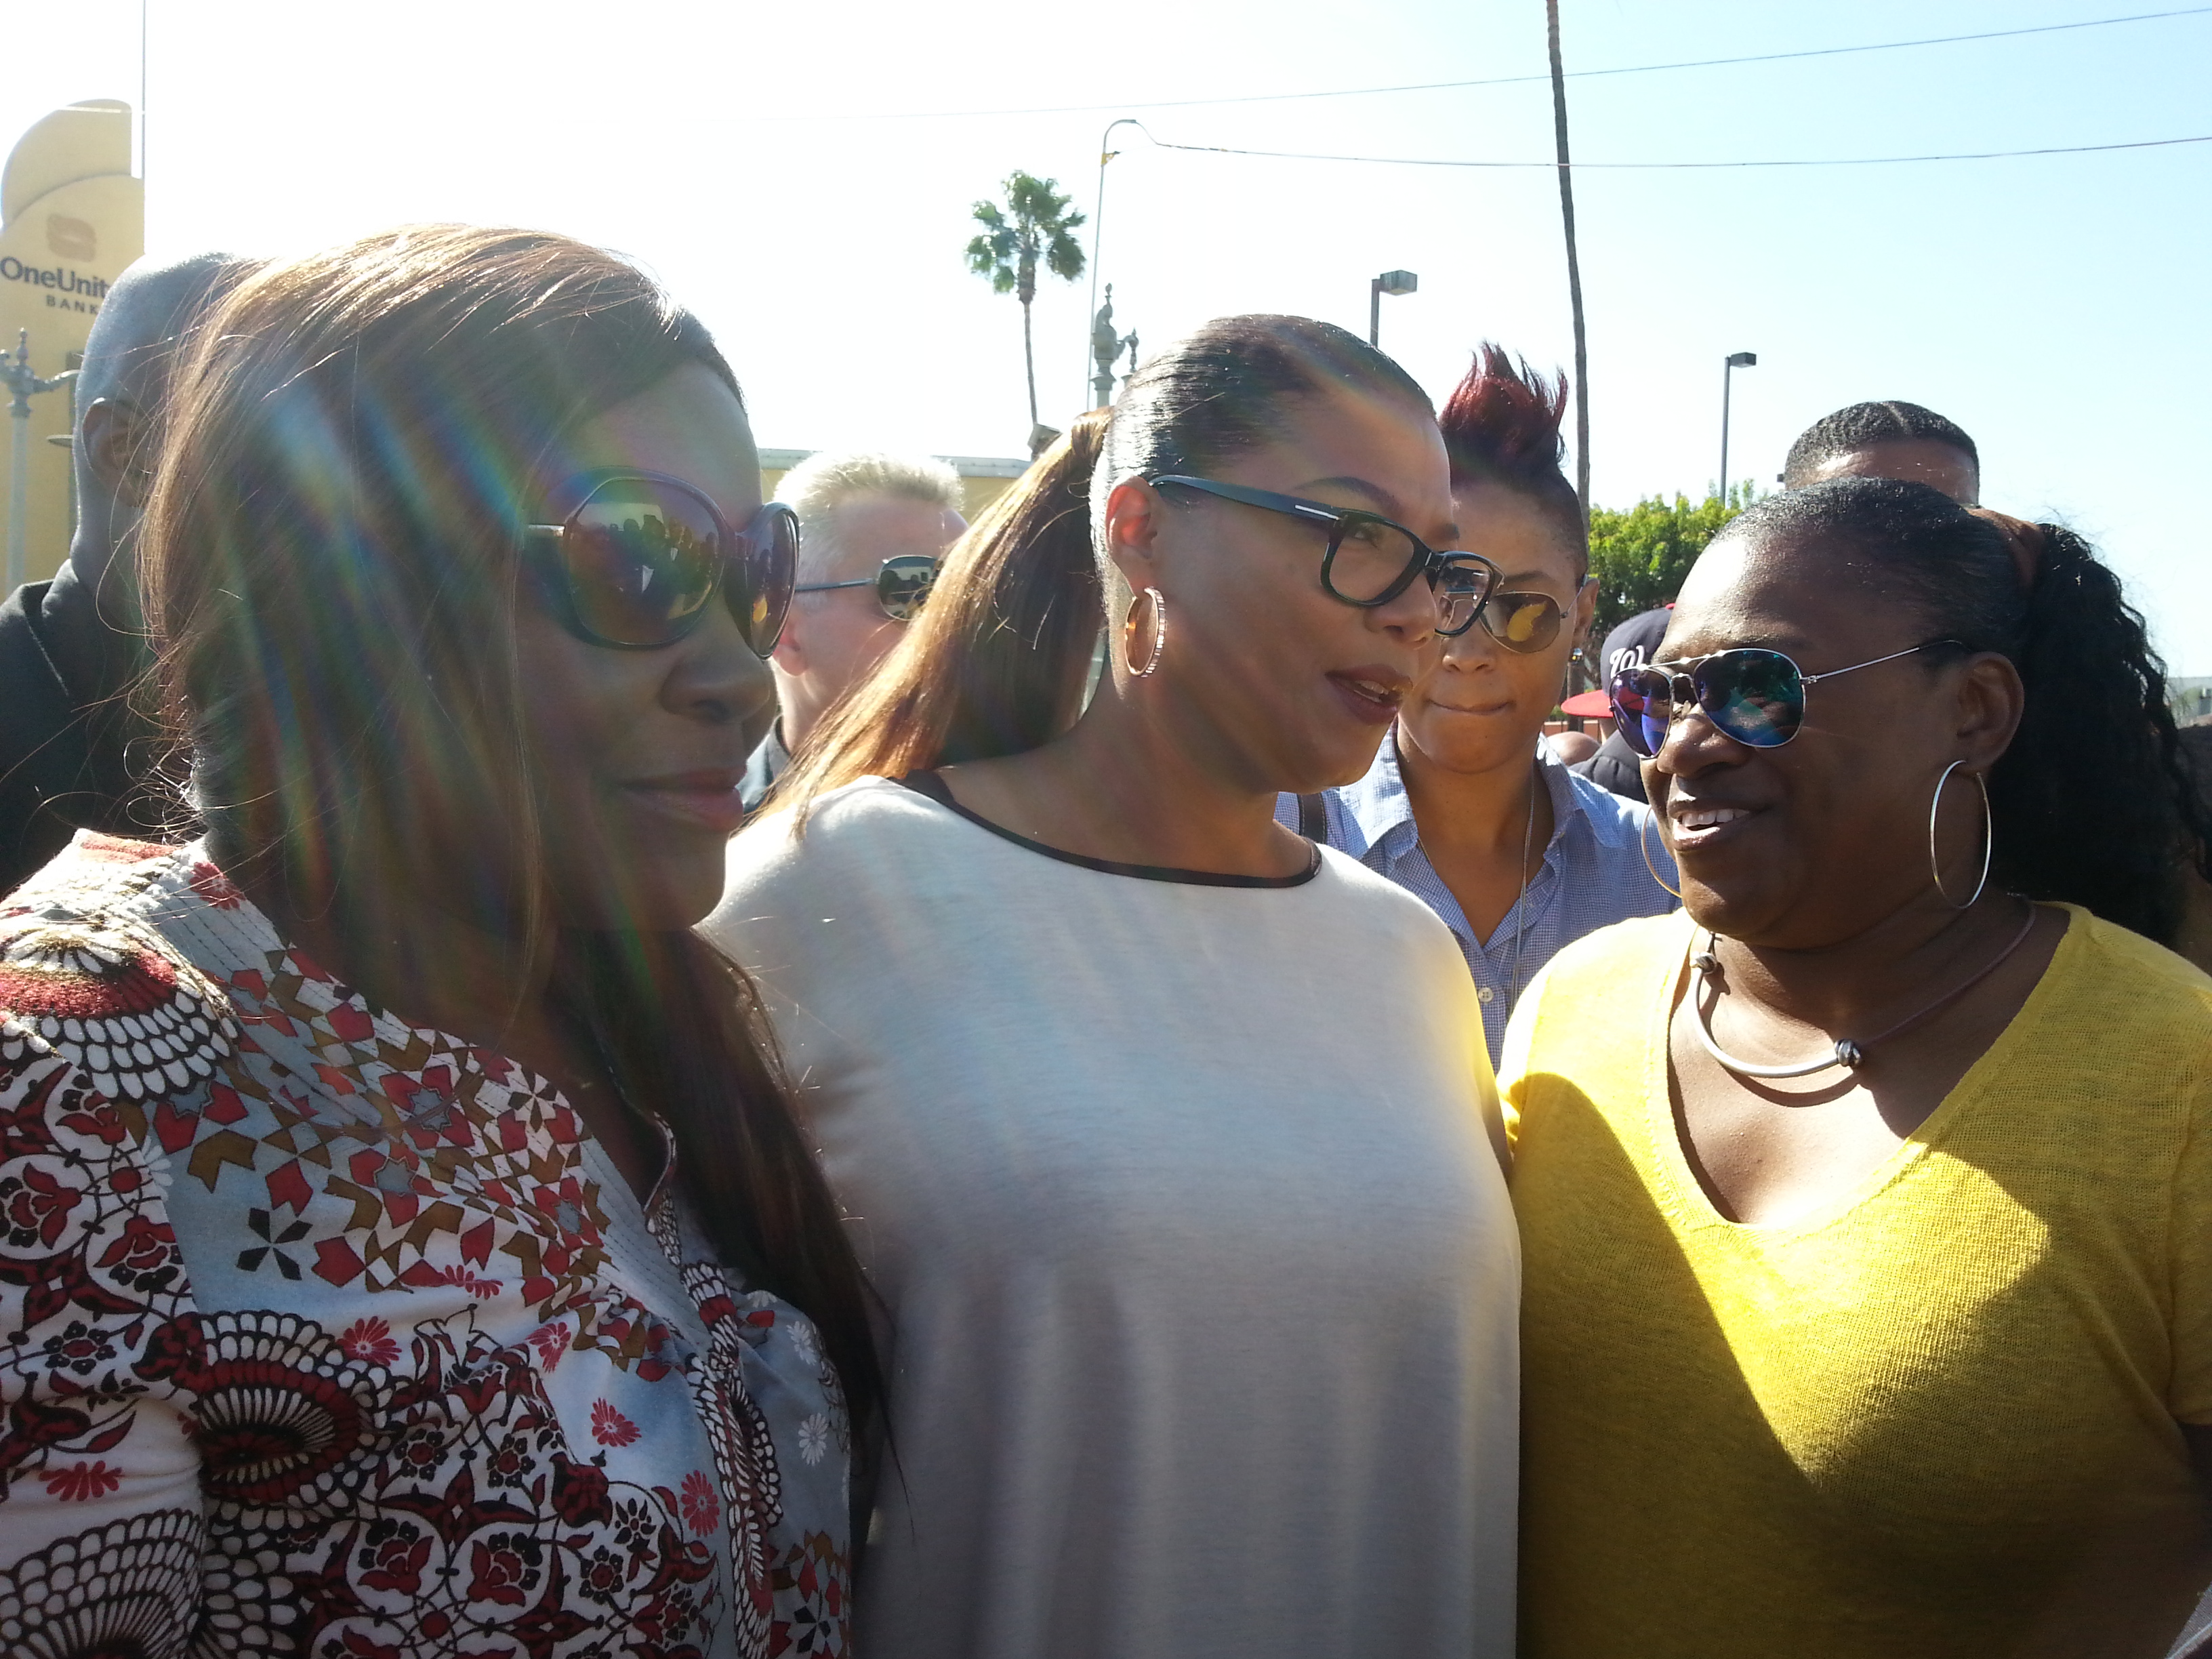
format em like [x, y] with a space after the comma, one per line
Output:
[1584, 166]
[1494, 81]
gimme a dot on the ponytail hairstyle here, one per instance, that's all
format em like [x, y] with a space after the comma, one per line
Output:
[997, 660]
[2092, 803]
[1501, 426]
[331, 563]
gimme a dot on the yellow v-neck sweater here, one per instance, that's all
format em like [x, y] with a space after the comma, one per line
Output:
[1936, 1417]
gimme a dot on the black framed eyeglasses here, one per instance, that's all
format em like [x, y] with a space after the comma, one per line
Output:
[1752, 695]
[901, 585]
[1371, 560]
[638, 556]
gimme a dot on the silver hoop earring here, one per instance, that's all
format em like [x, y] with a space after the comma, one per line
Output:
[1159, 637]
[1989, 836]
[1644, 846]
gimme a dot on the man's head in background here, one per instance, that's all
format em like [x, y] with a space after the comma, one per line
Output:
[1890, 440]
[856, 512]
[134, 345]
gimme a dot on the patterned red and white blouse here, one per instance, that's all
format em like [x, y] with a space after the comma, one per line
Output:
[322, 1334]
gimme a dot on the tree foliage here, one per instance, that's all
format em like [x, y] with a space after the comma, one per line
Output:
[1031, 228]
[1640, 557]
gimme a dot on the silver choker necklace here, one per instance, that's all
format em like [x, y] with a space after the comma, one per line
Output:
[1848, 1054]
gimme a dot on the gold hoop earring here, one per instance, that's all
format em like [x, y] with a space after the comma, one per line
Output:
[1644, 846]
[1159, 635]
[1989, 836]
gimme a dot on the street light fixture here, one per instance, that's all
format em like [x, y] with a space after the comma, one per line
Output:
[1098, 213]
[1390, 281]
[1732, 362]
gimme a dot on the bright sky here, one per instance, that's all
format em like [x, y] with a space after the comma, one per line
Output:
[764, 162]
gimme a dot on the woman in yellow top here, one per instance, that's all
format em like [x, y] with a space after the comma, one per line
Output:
[1867, 1203]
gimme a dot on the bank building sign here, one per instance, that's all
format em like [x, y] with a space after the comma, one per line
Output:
[72, 216]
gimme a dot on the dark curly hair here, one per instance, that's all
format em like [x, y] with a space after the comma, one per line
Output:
[1501, 426]
[1892, 420]
[2093, 802]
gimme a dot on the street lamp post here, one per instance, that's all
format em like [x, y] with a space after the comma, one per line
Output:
[1390, 281]
[1098, 212]
[1732, 362]
[15, 376]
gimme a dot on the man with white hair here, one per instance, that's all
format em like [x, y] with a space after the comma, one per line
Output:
[872, 528]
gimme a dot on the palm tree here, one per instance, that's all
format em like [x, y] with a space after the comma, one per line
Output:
[1034, 225]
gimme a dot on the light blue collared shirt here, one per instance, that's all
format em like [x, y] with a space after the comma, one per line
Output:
[1593, 873]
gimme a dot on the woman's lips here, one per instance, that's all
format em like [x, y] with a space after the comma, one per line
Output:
[1694, 825]
[709, 799]
[1371, 696]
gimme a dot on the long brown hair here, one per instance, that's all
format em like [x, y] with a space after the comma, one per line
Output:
[331, 563]
[996, 664]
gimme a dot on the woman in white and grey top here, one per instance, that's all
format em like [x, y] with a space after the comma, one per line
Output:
[1169, 1138]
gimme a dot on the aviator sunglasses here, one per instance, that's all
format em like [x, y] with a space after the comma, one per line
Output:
[1371, 560]
[1754, 696]
[1524, 622]
[638, 556]
[900, 586]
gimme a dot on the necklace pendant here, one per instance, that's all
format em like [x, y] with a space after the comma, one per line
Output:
[1848, 1054]
[1706, 964]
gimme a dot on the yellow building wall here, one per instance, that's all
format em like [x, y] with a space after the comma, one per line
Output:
[71, 218]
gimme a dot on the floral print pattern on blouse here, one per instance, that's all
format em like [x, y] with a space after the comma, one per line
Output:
[323, 1335]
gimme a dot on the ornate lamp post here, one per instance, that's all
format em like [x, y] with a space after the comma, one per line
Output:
[1106, 349]
[16, 375]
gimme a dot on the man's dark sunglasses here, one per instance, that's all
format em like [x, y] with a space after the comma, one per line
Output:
[1754, 696]
[638, 556]
[900, 586]
[1371, 560]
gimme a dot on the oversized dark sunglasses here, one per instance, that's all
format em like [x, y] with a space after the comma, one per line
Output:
[900, 586]
[1371, 561]
[1754, 696]
[638, 556]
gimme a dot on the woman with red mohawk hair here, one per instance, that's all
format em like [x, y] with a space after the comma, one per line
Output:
[1465, 807]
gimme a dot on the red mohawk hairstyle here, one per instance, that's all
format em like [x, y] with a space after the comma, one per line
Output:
[1501, 426]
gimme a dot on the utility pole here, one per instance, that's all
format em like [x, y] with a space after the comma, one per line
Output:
[1574, 261]
[1729, 364]
[17, 377]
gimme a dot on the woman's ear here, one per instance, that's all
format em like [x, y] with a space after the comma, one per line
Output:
[1991, 701]
[1133, 526]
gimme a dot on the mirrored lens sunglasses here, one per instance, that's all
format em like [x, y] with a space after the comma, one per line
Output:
[637, 559]
[1753, 695]
[901, 584]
